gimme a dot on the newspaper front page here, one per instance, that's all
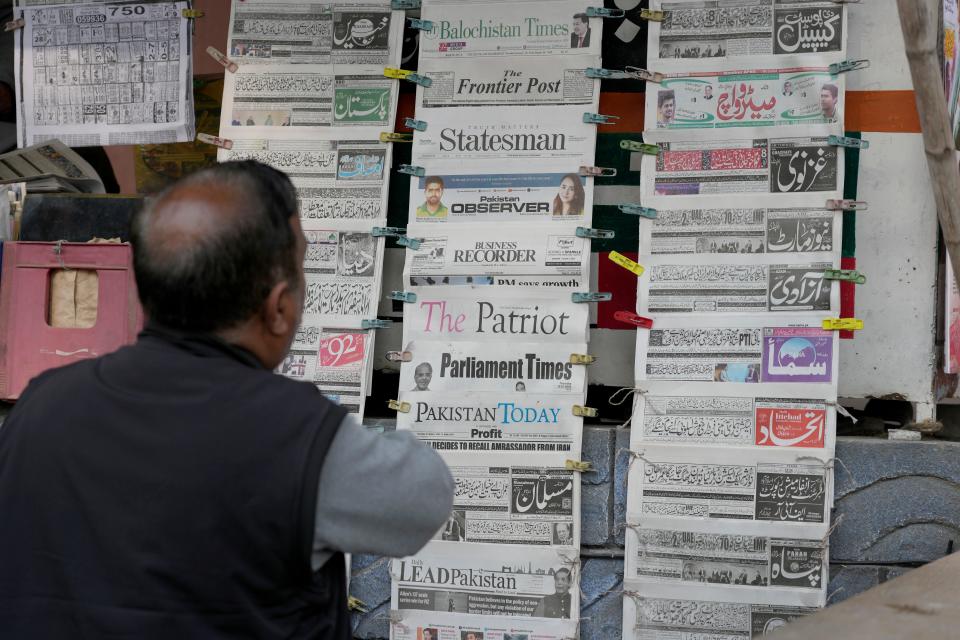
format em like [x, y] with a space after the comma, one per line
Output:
[436, 625]
[342, 270]
[320, 33]
[478, 422]
[93, 74]
[696, 34]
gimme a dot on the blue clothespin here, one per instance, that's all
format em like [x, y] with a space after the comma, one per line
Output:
[410, 243]
[375, 324]
[609, 74]
[419, 125]
[591, 296]
[584, 232]
[848, 65]
[387, 232]
[642, 147]
[599, 118]
[603, 12]
[420, 25]
[412, 170]
[637, 210]
[850, 143]
[404, 5]
[403, 296]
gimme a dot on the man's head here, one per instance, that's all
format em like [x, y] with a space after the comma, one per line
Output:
[428, 634]
[708, 91]
[471, 635]
[221, 252]
[666, 105]
[581, 22]
[787, 88]
[828, 100]
[433, 191]
[422, 376]
[561, 581]
[563, 533]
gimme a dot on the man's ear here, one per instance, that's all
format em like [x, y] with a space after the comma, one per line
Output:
[279, 309]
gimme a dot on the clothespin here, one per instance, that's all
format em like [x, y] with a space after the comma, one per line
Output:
[590, 296]
[645, 74]
[412, 170]
[406, 74]
[13, 25]
[216, 141]
[843, 324]
[848, 275]
[387, 232]
[355, 604]
[581, 466]
[409, 243]
[846, 205]
[399, 356]
[191, 14]
[625, 262]
[630, 317]
[404, 5]
[653, 16]
[595, 234]
[847, 65]
[637, 210]
[850, 143]
[375, 324]
[396, 405]
[582, 358]
[584, 412]
[224, 61]
[642, 147]
[597, 172]
[603, 12]
[420, 25]
[419, 125]
[403, 296]
[599, 118]
[395, 137]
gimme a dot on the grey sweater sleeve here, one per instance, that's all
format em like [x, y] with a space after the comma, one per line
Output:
[386, 494]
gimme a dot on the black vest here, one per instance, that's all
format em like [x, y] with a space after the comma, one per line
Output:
[166, 492]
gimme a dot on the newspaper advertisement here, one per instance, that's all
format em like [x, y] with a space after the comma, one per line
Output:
[737, 351]
[799, 172]
[481, 133]
[522, 28]
[726, 560]
[654, 618]
[491, 422]
[684, 284]
[339, 182]
[294, 101]
[783, 488]
[551, 192]
[510, 499]
[475, 315]
[711, 105]
[336, 360]
[433, 625]
[524, 256]
[697, 33]
[695, 414]
[342, 271]
[500, 367]
[104, 74]
[727, 231]
[508, 82]
[341, 32]
[528, 581]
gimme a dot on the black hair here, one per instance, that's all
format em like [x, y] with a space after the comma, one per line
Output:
[429, 180]
[582, 17]
[219, 280]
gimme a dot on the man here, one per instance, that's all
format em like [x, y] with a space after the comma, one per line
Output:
[580, 38]
[828, 101]
[473, 635]
[666, 107]
[428, 634]
[708, 92]
[556, 605]
[452, 531]
[191, 492]
[787, 88]
[564, 534]
[422, 376]
[433, 193]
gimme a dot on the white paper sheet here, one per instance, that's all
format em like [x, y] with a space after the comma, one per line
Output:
[435, 625]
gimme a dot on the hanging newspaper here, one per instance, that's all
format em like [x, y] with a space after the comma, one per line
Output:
[509, 499]
[104, 74]
[654, 618]
[474, 315]
[693, 413]
[789, 490]
[523, 256]
[336, 360]
[711, 105]
[495, 422]
[520, 581]
[797, 172]
[433, 625]
[730, 561]
[294, 101]
[737, 351]
[481, 133]
[508, 28]
[342, 270]
[499, 367]
[695, 34]
[552, 193]
[741, 284]
[508, 81]
[342, 32]
[727, 231]
[339, 183]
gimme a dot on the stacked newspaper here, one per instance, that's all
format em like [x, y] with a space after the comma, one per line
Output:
[487, 376]
[309, 97]
[730, 487]
[49, 167]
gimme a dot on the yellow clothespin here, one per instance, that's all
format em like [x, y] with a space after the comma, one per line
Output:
[396, 137]
[582, 358]
[584, 412]
[396, 405]
[578, 465]
[843, 324]
[626, 263]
